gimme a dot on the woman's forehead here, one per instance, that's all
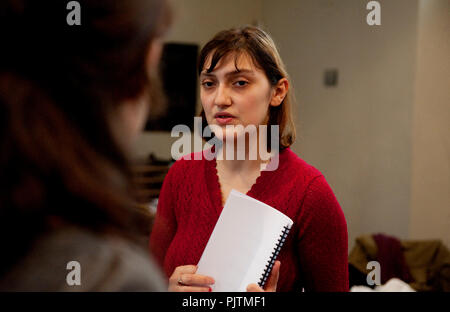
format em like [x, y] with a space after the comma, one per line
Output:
[231, 61]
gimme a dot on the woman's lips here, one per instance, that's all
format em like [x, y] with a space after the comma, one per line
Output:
[224, 118]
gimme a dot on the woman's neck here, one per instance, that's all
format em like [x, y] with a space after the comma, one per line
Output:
[232, 161]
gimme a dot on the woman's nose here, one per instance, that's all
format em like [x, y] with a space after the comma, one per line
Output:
[222, 96]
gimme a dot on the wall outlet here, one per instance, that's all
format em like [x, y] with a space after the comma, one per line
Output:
[331, 77]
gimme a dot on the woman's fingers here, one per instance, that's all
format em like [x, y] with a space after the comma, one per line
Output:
[185, 269]
[193, 289]
[195, 279]
[254, 288]
[271, 284]
[184, 278]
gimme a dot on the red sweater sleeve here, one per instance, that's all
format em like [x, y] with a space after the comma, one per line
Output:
[323, 239]
[165, 224]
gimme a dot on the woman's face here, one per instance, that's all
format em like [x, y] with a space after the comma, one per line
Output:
[235, 97]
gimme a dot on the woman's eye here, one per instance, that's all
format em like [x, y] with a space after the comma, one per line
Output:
[207, 84]
[241, 83]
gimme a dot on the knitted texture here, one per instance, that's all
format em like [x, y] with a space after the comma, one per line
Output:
[315, 254]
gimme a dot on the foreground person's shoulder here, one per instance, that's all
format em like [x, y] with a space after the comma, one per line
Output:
[77, 259]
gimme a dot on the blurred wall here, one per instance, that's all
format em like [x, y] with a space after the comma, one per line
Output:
[430, 192]
[359, 132]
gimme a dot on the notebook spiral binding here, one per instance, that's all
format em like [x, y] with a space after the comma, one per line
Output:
[273, 257]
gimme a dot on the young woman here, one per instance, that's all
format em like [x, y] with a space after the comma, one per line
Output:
[72, 99]
[244, 82]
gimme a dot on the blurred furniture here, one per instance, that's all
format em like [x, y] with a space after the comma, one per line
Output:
[148, 177]
[428, 261]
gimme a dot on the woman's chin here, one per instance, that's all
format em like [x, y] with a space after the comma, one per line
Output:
[228, 136]
[232, 133]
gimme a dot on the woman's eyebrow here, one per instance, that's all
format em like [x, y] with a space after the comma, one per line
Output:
[206, 74]
[232, 73]
[240, 72]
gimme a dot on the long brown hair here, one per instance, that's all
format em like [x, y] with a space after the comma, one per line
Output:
[58, 83]
[256, 43]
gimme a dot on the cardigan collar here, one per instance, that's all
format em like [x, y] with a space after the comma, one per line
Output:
[257, 189]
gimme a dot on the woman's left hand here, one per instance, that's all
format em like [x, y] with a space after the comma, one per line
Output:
[271, 285]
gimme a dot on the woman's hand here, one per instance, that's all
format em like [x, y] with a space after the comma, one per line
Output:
[271, 285]
[184, 278]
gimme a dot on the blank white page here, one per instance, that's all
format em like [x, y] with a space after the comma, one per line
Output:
[241, 243]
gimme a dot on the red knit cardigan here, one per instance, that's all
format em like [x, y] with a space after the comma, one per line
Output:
[315, 254]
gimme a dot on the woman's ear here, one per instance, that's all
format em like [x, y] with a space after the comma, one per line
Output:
[279, 92]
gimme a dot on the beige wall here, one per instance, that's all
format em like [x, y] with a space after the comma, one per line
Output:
[430, 189]
[358, 133]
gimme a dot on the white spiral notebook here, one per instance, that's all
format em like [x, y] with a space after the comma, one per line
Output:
[244, 244]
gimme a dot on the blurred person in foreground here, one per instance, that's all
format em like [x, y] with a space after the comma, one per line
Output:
[72, 101]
